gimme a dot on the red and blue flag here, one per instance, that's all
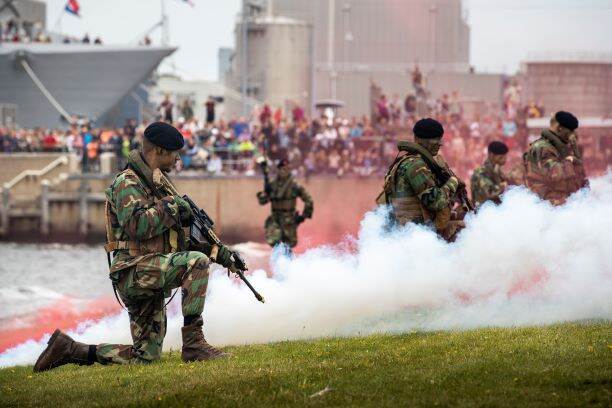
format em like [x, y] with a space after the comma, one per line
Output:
[73, 7]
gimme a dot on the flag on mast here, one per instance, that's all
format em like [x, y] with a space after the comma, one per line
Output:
[73, 7]
[189, 2]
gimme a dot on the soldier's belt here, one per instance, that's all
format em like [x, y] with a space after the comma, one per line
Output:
[283, 205]
[121, 245]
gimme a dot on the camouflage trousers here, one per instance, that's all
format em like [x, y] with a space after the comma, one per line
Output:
[281, 228]
[143, 289]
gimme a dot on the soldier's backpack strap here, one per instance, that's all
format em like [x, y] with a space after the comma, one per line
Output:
[390, 178]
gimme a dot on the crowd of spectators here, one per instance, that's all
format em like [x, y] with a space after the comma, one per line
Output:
[23, 31]
[361, 146]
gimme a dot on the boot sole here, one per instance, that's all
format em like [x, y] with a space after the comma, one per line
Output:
[45, 353]
[224, 355]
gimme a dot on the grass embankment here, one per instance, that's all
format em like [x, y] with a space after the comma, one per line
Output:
[562, 365]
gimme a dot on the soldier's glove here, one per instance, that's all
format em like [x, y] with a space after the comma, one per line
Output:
[262, 197]
[224, 256]
[299, 219]
[185, 213]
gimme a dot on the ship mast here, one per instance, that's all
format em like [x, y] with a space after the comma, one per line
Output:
[165, 28]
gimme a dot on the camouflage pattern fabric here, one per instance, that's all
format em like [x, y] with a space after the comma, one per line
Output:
[487, 183]
[143, 281]
[281, 226]
[548, 174]
[135, 214]
[143, 289]
[415, 179]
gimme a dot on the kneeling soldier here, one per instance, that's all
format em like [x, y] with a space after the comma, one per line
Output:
[147, 234]
[488, 181]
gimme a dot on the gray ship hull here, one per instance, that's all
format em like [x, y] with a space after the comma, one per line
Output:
[86, 80]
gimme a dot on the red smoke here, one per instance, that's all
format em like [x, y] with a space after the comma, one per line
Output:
[65, 314]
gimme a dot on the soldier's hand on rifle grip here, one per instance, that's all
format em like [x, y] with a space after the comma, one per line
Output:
[233, 269]
[185, 213]
[224, 257]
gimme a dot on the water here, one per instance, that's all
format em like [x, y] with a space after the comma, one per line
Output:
[35, 276]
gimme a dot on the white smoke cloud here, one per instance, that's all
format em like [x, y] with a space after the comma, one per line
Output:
[521, 263]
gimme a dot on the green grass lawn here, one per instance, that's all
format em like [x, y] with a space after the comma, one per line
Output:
[562, 365]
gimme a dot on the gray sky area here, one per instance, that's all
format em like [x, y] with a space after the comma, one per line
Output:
[503, 32]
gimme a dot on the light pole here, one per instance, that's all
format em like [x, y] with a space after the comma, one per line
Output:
[331, 43]
[433, 15]
[348, 34]
[244, 68]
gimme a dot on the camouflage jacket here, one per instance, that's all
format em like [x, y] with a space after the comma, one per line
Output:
[415, 194]
[139, 223]
[488, 182]
[547, 173]
[283, 197]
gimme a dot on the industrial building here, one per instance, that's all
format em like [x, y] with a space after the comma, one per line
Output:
[296, 51]
[578, 82]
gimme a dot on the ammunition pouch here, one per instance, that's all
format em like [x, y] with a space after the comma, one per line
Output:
[409, 209]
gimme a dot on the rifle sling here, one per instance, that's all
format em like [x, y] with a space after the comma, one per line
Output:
[438, 171]
[137, 164]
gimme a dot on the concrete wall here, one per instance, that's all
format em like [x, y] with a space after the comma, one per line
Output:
[11, 165]
[355, 86]
[583, 88]
[231, 202]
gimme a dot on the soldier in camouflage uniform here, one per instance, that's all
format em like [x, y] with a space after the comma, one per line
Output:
[282, 193]
[413, 186]
[553, 164]
[147, 231]
[488, 182]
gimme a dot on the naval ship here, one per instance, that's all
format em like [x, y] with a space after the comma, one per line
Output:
[51, 84]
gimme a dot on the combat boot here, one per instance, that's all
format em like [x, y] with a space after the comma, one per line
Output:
[195, 347]
[62, 349]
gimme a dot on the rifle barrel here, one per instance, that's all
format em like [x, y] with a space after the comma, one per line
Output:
[246, 281]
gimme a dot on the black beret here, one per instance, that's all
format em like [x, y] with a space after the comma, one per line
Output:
[498, 147]
[164, 135]
[566, 120]
[428, 129]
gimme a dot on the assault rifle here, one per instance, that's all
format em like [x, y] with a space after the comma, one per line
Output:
[461, 190]
[201, 231]
[263, 163]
